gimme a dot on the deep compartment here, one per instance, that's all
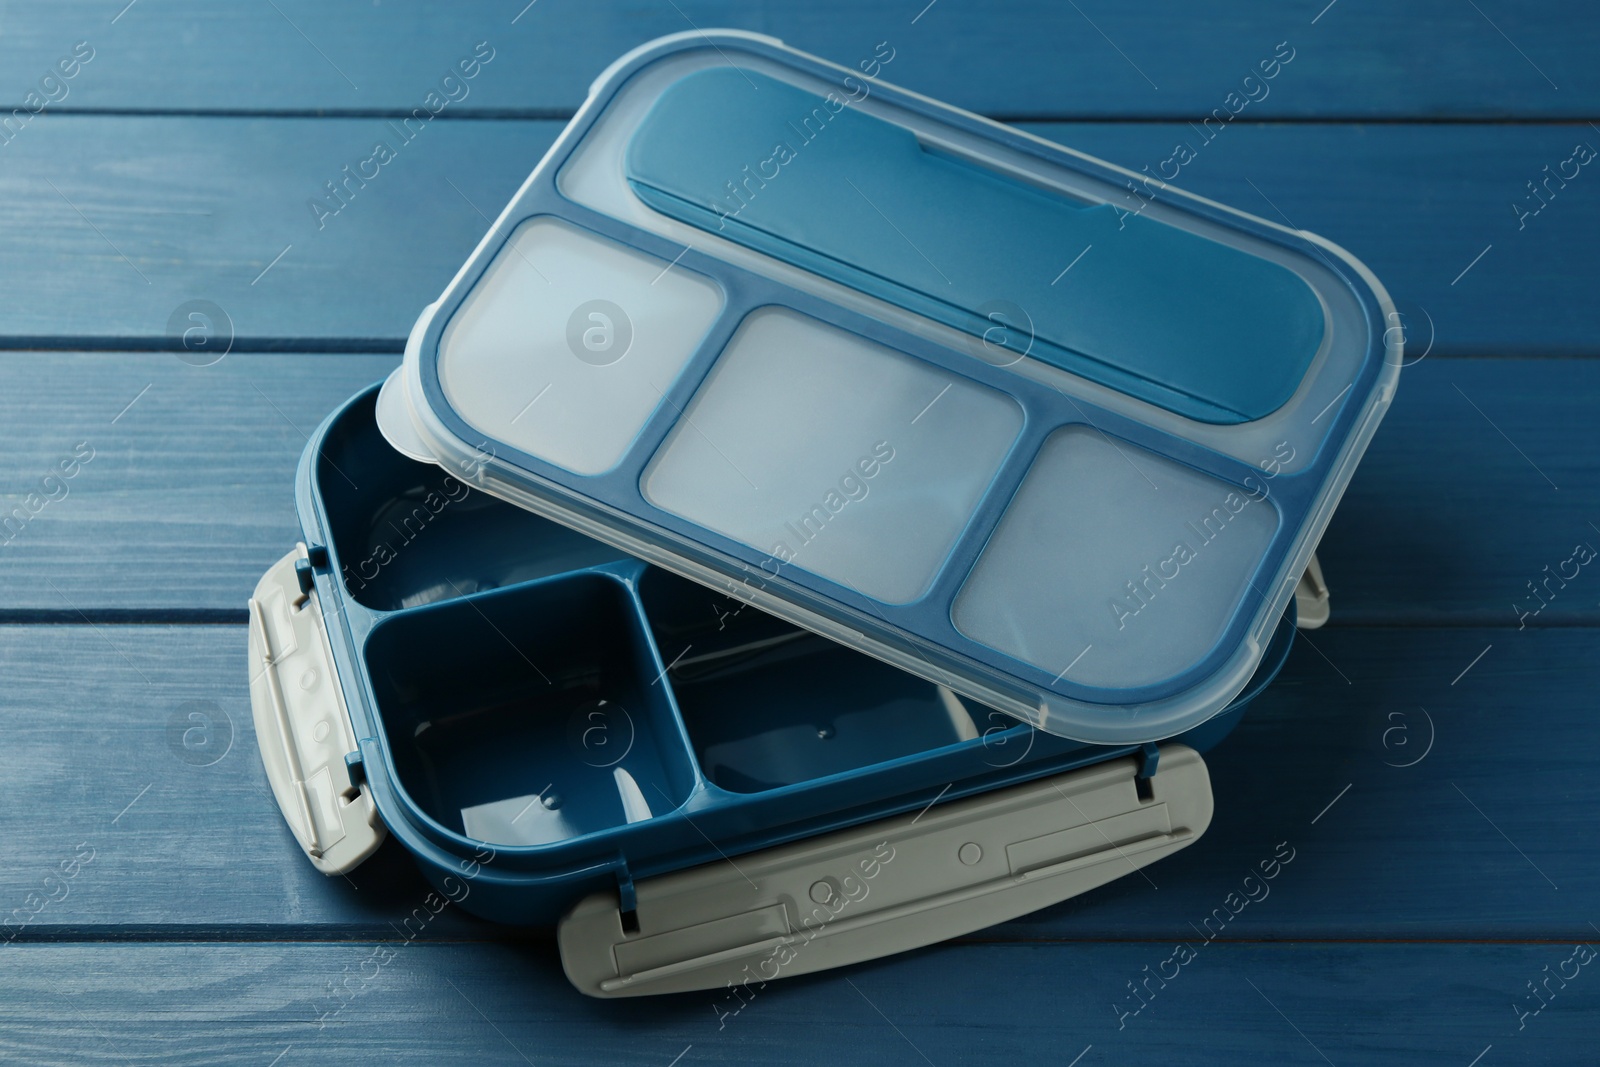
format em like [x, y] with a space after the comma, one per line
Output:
[530, 715]
[768, 705]
[407, 534]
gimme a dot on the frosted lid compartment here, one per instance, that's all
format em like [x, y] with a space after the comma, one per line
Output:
[1008, 417]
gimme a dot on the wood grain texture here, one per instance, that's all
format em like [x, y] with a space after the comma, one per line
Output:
[1482, 476]
[190, 495]
[1430, 59]
[950, 1006]
[114, 222]
[1471, 842]
[1425, 759]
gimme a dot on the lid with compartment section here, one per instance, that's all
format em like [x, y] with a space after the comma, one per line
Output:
[1048, 432]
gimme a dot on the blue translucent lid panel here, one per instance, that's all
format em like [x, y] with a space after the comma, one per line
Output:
[936, 390]
[1185, 322]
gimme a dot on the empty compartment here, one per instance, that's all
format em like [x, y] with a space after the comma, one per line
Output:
[834, 454]
[407, 533]
[769, 705]
[531, 715]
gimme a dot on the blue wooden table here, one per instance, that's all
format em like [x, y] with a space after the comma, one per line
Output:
[1421, 776]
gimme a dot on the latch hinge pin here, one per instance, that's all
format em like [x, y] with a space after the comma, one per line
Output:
[1149, 760]
[627, 899]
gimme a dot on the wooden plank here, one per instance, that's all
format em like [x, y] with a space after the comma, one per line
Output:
[427, 1004]
[1034, 58]
[174, 812]
[1474, 499]
[190, 494]
[218, 210]
[1471, 842]
[1432, 783]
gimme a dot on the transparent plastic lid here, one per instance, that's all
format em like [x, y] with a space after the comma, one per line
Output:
[1031, 426]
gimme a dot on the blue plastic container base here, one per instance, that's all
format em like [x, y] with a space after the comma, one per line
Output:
[527, 693]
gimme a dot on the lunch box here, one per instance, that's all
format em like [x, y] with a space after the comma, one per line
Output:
[815, 522]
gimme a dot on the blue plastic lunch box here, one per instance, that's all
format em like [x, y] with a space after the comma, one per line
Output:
[587, 616]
